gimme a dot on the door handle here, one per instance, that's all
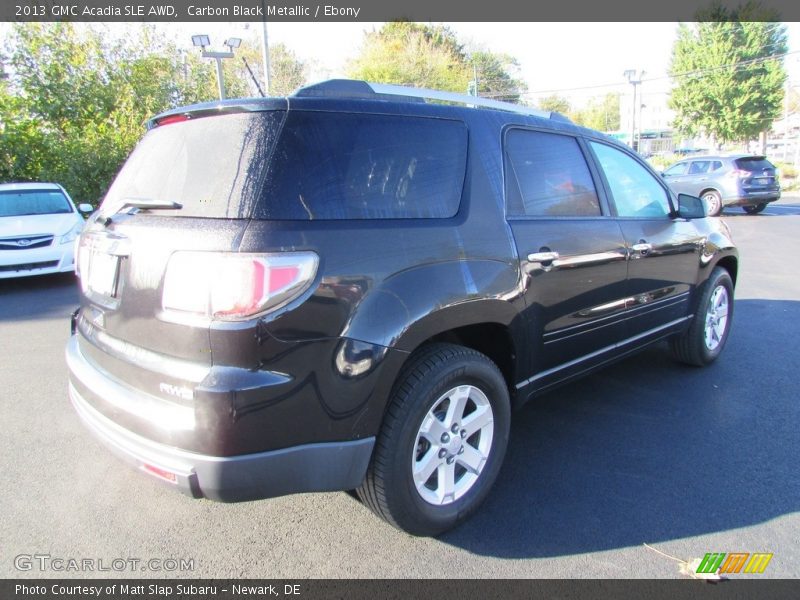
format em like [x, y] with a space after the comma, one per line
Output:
[543, 257]
[642, 247]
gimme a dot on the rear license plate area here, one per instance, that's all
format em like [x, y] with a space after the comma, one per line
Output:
[103, 271]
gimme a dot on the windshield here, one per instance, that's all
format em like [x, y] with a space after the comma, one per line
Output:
[212, 166]
[17, 203]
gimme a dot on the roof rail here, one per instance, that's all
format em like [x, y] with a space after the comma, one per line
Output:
[351, 88]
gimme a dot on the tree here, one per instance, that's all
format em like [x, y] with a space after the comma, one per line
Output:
[287, 71]
[412, 54]
[555, 103]
[601, 114]
[494, 80]
[76, 102]
[729, 74]
[430, 56]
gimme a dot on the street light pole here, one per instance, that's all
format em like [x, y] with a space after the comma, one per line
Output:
[203, 41]
[634, 78]
[217, 56]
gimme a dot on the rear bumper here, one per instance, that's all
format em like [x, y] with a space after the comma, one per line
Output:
[317, 467]
[752, 198]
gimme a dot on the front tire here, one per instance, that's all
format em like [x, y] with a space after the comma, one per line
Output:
[703, 342]
[442, 442]
[713, 203]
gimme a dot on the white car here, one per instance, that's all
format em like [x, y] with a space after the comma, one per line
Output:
[38, 228]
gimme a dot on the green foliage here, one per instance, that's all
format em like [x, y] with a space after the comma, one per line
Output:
[77, 102]
[555, 103]
[494, 80]
[430, 56]
[287, 71]
[600, 114]
[412, 54]
[729, 74]
[787, 170]
[661, 162]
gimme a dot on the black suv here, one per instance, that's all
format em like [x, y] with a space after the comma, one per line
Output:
[350, 288]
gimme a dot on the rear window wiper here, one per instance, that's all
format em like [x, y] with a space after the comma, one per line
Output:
[143, 204]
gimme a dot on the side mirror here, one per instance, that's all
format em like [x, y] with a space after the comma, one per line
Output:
[86, 208]
[690, 207]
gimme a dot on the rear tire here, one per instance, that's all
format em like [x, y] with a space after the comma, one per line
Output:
[703, 342]
[442, 442]
[755, 209]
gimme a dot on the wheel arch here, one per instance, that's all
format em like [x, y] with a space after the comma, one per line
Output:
[705, 190]
[731, 265]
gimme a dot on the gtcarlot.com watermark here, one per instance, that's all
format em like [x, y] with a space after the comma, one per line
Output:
[63, 564]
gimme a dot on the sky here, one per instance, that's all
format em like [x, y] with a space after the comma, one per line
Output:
[554, 58]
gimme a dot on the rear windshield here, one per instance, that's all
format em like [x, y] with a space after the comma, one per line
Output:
[364, 166]
[33, 202]
[213, 166]
[757, 163]
[325, 165]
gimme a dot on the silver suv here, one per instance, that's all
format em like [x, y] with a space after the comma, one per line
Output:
[737, 180]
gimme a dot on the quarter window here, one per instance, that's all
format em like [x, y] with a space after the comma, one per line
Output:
[365, 166]
[636, 193]
[548, 176]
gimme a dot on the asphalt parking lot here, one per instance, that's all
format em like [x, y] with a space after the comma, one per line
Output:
[686, 460]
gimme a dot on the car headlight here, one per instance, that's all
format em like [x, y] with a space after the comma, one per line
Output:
[70, 236]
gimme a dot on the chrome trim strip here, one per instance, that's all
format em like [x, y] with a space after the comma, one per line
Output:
[601, 351]
[633, 312]
[588, 259]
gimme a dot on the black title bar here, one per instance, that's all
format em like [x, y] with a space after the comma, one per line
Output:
[378, 10]
[508, 589]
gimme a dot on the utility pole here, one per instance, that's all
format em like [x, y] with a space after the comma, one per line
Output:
[265, 54]
[642, 106]
[634, 78]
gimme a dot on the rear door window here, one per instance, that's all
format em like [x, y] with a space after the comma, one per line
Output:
[699, 167]
[547, 175]
[365, 166]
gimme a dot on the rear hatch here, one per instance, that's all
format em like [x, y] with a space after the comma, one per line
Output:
[189, 186]
[757, 173]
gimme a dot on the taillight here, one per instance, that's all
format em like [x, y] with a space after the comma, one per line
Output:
[82, 255]
[172, 119]
[231, 286]
[739, 174]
